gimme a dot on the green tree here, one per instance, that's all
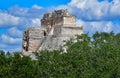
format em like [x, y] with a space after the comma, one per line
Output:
[87, 57]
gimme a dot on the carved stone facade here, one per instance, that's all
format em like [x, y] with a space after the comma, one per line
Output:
[59, 18]
[55, 28]
[33, 38]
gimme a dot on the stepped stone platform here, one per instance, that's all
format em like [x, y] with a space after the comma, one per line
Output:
[56, 27]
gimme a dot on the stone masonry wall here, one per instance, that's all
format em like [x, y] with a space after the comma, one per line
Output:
[34, 38]
[57, 19]
[56, 27]
[60, 34]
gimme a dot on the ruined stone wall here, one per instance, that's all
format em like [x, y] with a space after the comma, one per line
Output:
[58, 22]
[60, 34]
[68, 30]
[55, 28]
[57, 19]
[34, 37]
[69, 21]
[38, 40]
[25, 41]
[53, 42]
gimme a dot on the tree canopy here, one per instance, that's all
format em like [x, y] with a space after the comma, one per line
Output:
[87, 57]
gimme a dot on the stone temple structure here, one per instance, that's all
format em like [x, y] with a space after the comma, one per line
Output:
[55, 27]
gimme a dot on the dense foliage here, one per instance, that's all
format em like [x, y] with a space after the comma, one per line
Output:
[87, 57]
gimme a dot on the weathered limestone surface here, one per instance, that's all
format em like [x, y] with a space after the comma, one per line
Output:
[60, 34]
[55, 28]
[67, 30]
[33, 38]
[57, 19]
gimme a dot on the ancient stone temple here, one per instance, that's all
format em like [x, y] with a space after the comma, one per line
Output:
[55, 27]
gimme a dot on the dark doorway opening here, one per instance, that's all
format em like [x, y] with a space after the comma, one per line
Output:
[45, 33]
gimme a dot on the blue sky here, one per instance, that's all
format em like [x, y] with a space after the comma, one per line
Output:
[5, 4]
[17, 15]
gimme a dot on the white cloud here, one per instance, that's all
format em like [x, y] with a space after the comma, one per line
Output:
[115, 7]
[15, 32]
[22, 17]
[3, 45]
[10, 40]
[100, 26]
[10, 48]
[37, 7]
[34, 12]
[7, 19]
[35, 22]
[96, 16]
[95, 10]
[63, 7]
